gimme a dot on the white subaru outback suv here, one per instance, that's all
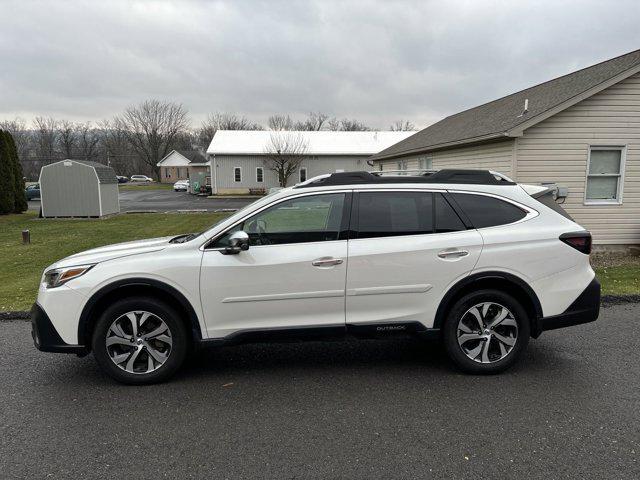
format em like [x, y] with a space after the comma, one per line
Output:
[467, 256]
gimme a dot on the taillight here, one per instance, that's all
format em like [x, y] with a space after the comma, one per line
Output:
[581, 241]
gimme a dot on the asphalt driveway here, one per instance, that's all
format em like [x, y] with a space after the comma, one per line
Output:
[168, 201]
[369, 409]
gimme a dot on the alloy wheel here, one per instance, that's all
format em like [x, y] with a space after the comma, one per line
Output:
[139, 342]
[487, 332]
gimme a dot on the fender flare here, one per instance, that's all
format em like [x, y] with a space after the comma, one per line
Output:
[453, 292]
[86, 317]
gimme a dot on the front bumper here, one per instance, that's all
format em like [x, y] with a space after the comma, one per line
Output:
[584, 309]
[46, 338]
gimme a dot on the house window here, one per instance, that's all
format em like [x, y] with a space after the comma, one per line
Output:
[402, 165]
[425, 163]
[303, 174]
[605, 168]
[237, 174]
[259, 174]
[167, 173]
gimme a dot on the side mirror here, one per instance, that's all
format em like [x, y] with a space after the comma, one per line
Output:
[238, 242]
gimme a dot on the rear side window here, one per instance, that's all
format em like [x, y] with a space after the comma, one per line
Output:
[486, 211]
[386, 214]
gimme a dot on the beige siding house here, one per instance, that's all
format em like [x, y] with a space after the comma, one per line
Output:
[580, 131]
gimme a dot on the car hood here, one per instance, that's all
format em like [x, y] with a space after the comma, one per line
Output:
[109, 252]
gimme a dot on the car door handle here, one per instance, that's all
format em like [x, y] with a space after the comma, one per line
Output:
[326, 262]
[453, 253]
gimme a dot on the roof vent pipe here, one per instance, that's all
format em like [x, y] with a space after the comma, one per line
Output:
[526, 107]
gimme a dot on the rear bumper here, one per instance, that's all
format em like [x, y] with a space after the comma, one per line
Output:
[584, 309]
[45, 336]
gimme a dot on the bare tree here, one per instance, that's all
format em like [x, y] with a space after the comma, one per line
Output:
[152, 128]
[116, 150]
[46, 138]
[347, 125]
[284, 153]
[315, 121]
[87, 140]
[280, 122]
[223, 121]
[402, 126]
[66, 138]
[353, 125]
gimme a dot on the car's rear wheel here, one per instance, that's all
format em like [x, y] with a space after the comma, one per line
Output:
[486, 332]
[140, 341]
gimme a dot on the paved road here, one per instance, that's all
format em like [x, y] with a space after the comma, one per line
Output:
[167, 200]
[374, 409]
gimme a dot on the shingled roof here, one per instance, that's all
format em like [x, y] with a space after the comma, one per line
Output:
[504, 117]
[194, 156]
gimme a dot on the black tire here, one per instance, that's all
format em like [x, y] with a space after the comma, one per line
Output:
[496, 365]
[176, 353]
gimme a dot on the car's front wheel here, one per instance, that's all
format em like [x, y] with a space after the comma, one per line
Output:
[486, 332]
[140, 340]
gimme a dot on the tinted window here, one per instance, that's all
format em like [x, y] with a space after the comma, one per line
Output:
[486, 211]
[447, 219]
[314, 218]
[384, 214]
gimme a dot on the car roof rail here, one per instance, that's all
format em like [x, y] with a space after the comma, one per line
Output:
[455, 176]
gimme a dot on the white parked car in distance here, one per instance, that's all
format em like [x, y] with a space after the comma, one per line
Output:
[465, 256]
[140, 178]
[181, 186]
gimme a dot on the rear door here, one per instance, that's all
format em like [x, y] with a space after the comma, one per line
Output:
[406, 249]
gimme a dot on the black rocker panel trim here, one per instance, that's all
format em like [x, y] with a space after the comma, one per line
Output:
[322, 332]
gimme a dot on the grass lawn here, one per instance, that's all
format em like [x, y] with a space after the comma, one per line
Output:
[51, 240]
[619, 280]
[145, 186]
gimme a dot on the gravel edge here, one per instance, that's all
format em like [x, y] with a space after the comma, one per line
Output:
[607, 301]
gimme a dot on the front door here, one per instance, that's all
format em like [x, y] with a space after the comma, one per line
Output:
[410, 247]
[292, 275]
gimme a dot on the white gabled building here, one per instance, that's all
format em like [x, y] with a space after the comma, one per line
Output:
[238, 166]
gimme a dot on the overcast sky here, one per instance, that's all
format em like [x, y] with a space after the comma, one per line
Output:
[375, 61]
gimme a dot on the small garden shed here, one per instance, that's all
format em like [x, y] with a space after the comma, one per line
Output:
[78, 188]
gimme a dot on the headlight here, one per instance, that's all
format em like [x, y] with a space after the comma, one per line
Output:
[58, 276]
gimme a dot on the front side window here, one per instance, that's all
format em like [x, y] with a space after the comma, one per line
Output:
[604, 175]
[237, 174]
[484, 211]
[259, 174]
[314, 218]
